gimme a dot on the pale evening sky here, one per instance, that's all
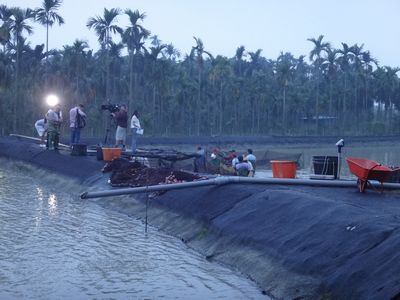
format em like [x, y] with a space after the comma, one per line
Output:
[224, 25]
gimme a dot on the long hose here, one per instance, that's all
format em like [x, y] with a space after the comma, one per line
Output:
[222, 180]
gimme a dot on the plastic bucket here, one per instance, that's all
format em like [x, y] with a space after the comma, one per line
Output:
[110, 153]
[325, 165]
[284, 168]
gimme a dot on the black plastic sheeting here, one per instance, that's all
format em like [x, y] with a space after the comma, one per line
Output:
[346, 241]
[349, 241]
[79, 167]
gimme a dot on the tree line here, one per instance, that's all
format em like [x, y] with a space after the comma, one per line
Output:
[336, 91]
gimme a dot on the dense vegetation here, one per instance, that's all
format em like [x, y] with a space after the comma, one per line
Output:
[339, 91]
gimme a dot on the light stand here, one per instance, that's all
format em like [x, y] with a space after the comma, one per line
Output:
[340, 145]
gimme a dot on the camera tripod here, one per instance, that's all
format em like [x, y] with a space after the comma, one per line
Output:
[110, 121]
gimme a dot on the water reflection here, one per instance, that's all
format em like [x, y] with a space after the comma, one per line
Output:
[52, 203]
[55, 246]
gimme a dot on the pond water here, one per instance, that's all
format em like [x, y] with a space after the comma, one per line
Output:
[55, 246]
[386, 153]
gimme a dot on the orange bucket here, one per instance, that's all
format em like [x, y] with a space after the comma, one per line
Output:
[110, 153]
[284, 168]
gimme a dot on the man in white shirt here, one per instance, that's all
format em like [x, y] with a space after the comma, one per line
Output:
[135, 126]
[41, 128]
[251, 158]
[77, 122]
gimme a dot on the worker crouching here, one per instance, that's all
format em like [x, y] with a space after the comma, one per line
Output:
[244, 168]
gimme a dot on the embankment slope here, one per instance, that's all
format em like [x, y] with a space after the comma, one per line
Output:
[296, 242]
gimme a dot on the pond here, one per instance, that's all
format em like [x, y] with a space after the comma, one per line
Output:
[55, 246]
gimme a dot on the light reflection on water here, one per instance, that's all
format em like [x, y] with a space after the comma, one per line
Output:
[54, 245]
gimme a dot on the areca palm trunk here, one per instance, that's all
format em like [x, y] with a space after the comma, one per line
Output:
[198, 99]
[330, 103]
[253, 115]
[221, 115]
[317, 105]
[154, 112]
[284, 110]
[47, 43]
[47, 57]
[344, 93]
[108, 83]
[130, 80]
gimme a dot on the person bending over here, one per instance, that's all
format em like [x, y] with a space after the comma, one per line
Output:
[41, 128]
[244, 168]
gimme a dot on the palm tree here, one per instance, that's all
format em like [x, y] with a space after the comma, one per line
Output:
[134, 37]
[104, 27]
[155, 75]
[253, 78]
[75, 55]
[47, 16]
[329, 65]
[367, 62]
[115, 69]
[240, 53]
[197, 53]
[389, 84]
[255, 61]
[284, 72]
[344, 63]
[18, 24]
[5, 14]
[172, 53]
[315, 56]
[220, 75]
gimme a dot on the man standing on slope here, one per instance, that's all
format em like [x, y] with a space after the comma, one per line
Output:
[77, 122]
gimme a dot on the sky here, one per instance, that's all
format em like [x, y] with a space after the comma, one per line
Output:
[274, 26]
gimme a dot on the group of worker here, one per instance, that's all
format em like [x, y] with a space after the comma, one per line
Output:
[49, 127]
[226, 163]
[244, 165]
[121, 120]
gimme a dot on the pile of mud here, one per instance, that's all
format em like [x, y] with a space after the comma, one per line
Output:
[125, 173]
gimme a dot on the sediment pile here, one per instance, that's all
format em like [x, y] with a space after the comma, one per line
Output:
[125, 173]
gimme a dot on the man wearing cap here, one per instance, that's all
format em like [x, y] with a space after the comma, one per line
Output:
[77, 122]
[54, 120]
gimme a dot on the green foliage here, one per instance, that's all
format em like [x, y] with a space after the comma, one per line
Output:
[341, 91]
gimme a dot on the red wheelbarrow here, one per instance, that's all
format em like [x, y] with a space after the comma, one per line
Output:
[366, 170]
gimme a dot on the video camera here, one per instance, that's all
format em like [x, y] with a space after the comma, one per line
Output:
[112, 108]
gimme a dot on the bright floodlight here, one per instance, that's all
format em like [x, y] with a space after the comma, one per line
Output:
[52, 100]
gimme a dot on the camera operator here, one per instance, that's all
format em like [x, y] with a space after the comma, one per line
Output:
[121, 119]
